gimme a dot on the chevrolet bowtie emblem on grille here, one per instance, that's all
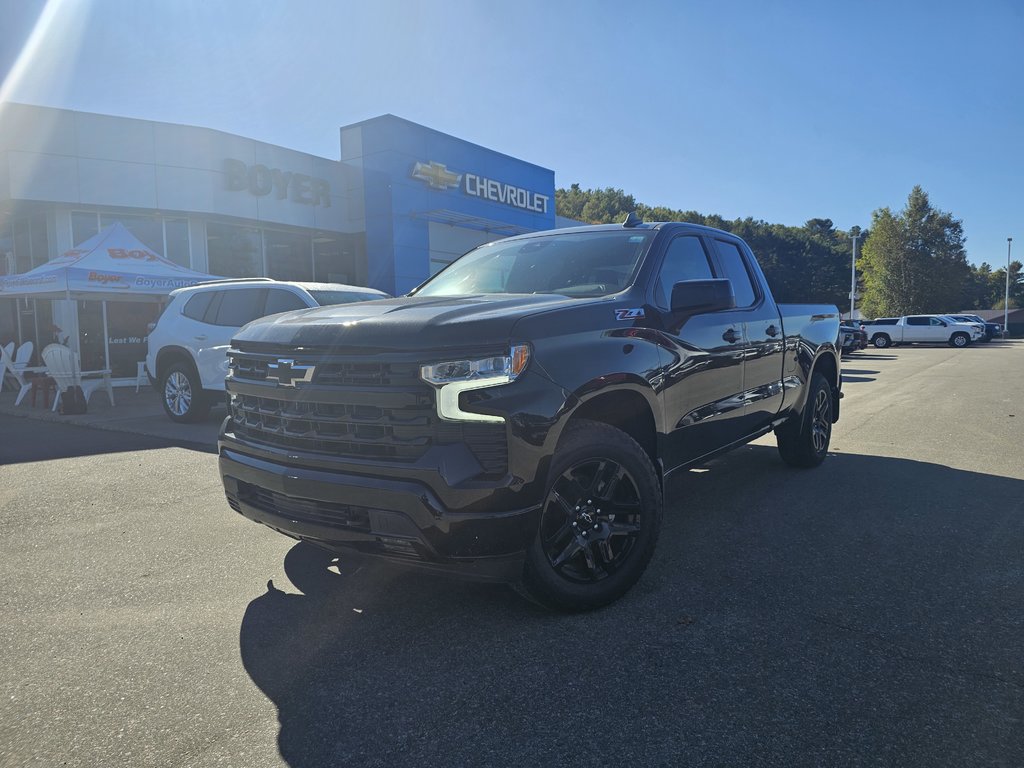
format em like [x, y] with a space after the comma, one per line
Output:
[436, 175]
[286, 373]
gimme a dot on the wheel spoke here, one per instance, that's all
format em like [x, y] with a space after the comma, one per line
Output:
[605, 548]
[606, 479]
[559, 535]
[570, 551]
[565, 505]
[595, 567]
[570, 487]
[623, 529]
[619, 509]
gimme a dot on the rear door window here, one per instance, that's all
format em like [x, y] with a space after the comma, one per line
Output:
[196, 306]
[735, 268]
[240, 306]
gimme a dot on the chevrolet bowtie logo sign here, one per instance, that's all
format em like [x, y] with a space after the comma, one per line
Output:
[436, 175]
[287, 374]
[439, 177]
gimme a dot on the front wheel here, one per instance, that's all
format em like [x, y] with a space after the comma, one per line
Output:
[959, 340]
[804, 442]
[182, 395]
[881, 341]
[599, 520]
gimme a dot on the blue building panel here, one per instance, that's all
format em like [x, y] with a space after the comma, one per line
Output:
[421, 175]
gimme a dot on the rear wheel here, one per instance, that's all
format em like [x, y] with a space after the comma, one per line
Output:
[959, 340]
[804, 442]
[182, 395]
[881, 341]
[599, 520]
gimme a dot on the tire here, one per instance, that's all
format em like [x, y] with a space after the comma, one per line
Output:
[804, 442]
[881, 341]
[960, 340]
[182, 396]
[585, 555]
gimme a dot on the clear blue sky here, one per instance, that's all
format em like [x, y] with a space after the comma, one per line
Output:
[780, 111]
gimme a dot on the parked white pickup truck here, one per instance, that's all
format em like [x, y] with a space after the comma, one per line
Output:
[922, 329]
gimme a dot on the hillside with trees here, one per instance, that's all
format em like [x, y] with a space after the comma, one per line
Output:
[911, 261]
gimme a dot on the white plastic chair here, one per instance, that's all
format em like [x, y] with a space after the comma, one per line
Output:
[61, 363]
[8, 368]
[24, 355]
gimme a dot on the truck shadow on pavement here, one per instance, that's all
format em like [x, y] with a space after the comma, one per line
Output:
[870, 606]
[857, 375]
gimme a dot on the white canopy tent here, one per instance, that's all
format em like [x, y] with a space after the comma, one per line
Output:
[111, 266]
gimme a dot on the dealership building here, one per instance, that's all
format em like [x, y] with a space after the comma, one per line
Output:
[399, 202]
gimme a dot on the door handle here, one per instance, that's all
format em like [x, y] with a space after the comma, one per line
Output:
[731, 336]
[200, 338]
[771, 330]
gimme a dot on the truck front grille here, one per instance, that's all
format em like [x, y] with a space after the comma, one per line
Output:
[353, 408]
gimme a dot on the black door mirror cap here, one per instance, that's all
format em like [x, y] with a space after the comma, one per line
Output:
[698, 296]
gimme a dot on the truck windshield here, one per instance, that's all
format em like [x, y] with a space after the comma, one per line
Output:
[575, 264]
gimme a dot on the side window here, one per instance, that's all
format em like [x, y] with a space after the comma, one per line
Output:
[684, 260]
[279, 300]
[736, 271]
[240, 306]
[936, 321]
[196, 306]
[917, 321]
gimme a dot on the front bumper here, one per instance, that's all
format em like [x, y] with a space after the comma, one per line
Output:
[403, 520]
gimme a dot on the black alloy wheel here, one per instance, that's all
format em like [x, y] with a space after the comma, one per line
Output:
[599, 520]
[804, 442]
[591, 520]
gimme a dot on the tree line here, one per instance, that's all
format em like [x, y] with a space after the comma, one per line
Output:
[910, 261]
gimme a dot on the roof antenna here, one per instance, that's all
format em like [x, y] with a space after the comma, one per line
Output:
[632, 220]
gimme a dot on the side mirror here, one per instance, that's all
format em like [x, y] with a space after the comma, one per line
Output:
[943, 323]
[702, 296]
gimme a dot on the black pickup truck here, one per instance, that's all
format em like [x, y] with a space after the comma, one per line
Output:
[515, 417]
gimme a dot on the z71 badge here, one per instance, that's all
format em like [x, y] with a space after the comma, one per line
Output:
[630, 314]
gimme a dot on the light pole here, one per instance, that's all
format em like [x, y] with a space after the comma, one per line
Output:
[853, 269]
[1006, 298]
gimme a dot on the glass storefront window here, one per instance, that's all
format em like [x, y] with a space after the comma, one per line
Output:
[40, 241]
[7, 265]
[22, 246]
[338, 258]
[289, 255]
[234, 251]
[84, 224]
[176, 235]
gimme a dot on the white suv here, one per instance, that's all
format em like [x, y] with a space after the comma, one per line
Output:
[187, 355]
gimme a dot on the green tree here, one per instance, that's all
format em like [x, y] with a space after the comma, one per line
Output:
[998, 283]
[914, 260]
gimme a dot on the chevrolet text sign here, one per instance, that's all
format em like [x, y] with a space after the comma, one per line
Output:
[438, 176]
[261, 181]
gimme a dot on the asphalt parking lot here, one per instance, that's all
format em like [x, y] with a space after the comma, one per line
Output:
[868, 612]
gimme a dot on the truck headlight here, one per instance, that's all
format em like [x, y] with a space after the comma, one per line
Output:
[457, 376]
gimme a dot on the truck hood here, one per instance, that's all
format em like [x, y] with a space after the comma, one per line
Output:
[405, 323]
